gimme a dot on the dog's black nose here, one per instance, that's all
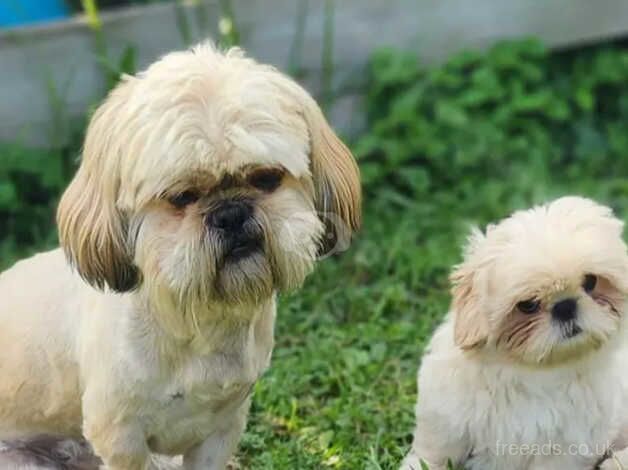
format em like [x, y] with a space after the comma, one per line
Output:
[230, 215]
[565, 310]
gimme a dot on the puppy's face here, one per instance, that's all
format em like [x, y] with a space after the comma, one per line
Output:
[208, 178]
[545, 285]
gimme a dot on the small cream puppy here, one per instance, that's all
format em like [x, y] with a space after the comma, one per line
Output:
[528, 371]
[208, 184]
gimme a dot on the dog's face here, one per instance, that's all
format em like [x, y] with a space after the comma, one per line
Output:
[545, 285]
[232, 237]
[208, 178]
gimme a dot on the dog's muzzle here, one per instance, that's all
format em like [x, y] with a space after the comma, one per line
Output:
[239, 233]
[565, 312]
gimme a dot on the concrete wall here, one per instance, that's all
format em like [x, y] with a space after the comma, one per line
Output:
[50, 73]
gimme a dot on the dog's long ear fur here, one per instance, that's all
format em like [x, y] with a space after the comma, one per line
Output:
[338, 194]
[470, 323]
[92, 230]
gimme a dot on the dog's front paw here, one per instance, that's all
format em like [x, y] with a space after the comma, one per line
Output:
[608, 464]
[156, 462]
[163, 462]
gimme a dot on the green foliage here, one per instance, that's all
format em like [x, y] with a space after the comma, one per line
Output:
[228, 27]
[498, 115]
[31, 182]
[114, 70]
[466, 142]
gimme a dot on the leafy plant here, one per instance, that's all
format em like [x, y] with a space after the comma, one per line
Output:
[228, 27]
[494, 115]
[112, 69]
[30, 183]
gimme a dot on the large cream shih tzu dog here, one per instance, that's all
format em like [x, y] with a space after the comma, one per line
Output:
[208, 184]
[530, 368]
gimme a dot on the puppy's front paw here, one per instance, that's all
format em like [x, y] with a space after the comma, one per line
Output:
[411, 462]
[618, 461]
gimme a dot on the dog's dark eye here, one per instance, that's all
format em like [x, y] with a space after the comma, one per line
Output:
[589, 283]
[529, 306]
[266, 180]
[183, 199]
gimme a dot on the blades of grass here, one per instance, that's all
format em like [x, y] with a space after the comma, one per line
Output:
[90, 7]
[229, 32]
[128, 61]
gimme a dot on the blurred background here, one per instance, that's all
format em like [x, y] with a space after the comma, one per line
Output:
[458, 112]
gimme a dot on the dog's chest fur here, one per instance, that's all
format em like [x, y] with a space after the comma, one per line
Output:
[181, 397]
[523, 424]
[183, 411]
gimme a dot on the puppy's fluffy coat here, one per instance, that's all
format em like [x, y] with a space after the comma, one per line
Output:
[528, 371]
[208, 183]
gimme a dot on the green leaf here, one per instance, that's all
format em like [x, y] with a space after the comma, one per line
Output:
[127, 64]
[451, 114]
[8, 195]
[325, 438]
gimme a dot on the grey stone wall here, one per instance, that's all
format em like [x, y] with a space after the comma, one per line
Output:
[48, 74]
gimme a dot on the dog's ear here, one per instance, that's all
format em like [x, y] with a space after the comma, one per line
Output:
[470, 322]
[338, 194]
[92, 230]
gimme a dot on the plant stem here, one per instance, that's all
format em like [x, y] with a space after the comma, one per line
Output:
[328, 54]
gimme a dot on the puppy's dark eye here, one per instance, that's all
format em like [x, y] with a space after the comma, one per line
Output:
[266, 180]
[183, 199]
[589, 282]
[529, 306]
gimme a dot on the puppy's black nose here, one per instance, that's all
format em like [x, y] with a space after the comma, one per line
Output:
[230, 215]
[565, 310]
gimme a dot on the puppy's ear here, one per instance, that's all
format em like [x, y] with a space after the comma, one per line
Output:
[338, 194]
[470, 323]
[92, 230]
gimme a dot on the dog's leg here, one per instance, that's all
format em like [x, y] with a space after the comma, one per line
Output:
[120, 445]
[434, 456]
[164, 462]
[214, 453]
[413, 462]
[437, 439]
[112, 429]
